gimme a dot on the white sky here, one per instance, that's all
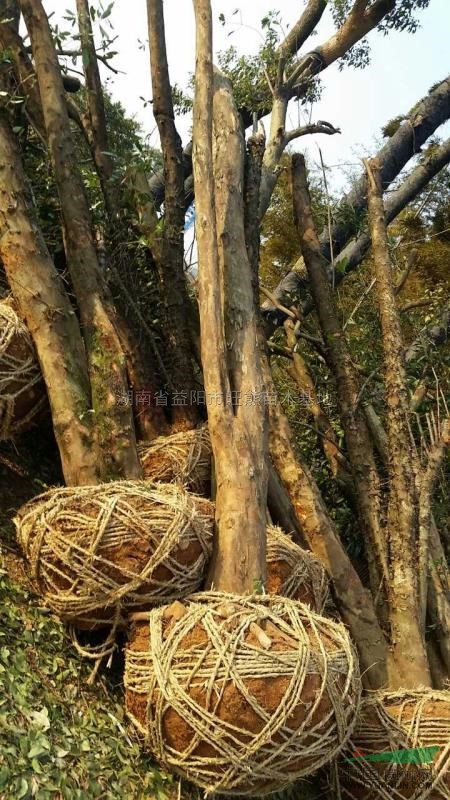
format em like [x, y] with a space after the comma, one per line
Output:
[403, 67]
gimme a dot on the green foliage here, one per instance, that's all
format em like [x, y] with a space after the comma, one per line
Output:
[392, 126]
[61, 738]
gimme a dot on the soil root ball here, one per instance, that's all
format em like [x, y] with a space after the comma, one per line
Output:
[295, 573]
[399, 749]
[22, 390]
[184, 457]
[95, 552]
[241, 695]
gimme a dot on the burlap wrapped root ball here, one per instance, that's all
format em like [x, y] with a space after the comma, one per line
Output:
[22, 389]
[241, 695]
[95, 552]
[184, 458]
[295, 573]
[398, 723]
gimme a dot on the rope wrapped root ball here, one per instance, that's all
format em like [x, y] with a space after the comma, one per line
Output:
[241, 695]
[184, 457]
[399, 749]
[294, 572]
[95, 552]
[22, 390]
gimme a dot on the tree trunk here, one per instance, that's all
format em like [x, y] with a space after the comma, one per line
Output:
[339, 466]
[237, 429]
[51, 320]
[107, 369]
[354, 602]
[171, 265]
[408, 645]
[357, 435]
[96, 106]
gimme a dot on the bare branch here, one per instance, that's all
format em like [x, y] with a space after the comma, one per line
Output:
[303, 28]
[410, 262]
[305, 130]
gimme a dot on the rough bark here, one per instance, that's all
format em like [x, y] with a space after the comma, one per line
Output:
[172, 256]
[237, 430]
[439, 594]
[408, 645]
[107, 368]
[357, 436]
[44, 304]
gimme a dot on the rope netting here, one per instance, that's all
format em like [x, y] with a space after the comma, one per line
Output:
[241, 695]
[22, 394]
[184, 457]
[400, 724]
[294, 572]
[94, 552]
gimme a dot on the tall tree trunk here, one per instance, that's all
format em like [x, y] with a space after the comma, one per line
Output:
[408, 645]
[357, 435]
[46, 308]
[354, 601]
[171, 265]
[107, 369]
[237, 429]
[98, 134]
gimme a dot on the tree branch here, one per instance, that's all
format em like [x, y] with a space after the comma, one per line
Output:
[305, 130]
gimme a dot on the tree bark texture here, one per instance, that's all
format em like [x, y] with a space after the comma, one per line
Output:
[107, 369]
[171, 264]
[357, 435]
[44, 304]
[230, 360]
[408, 645]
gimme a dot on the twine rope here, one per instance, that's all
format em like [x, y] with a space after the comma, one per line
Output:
[17, 374]
[399, 721]
[186, 457]
[304, 568]
[65, 534]
[166, 673]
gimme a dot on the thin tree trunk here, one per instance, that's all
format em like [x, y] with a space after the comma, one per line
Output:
[96, 106]
[408, 645]
[46, 308]
[337, 461]
[107, 369]
[172, 257]
[353, 600]
[357, 435]
[237, 430]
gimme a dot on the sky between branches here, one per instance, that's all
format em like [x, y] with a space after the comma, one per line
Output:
[402, 69]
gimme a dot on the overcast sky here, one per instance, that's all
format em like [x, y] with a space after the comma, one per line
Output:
[403, 67]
